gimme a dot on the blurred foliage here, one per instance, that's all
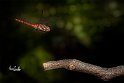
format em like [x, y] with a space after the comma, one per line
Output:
[31, 63]
[75, 26]
[83, 19]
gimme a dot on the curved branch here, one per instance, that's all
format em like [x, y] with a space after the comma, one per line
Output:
[76, 65]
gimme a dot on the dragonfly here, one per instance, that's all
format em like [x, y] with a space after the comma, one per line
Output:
[39, 27]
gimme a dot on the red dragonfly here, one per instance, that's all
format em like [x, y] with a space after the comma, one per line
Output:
[39, 27]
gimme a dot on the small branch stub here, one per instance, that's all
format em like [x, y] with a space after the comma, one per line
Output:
[76, 65]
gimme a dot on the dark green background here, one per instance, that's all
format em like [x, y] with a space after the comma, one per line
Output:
[88, 30]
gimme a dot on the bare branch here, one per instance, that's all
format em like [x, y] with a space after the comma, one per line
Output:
[76, 65]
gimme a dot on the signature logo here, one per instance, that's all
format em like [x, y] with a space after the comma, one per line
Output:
[14, 68]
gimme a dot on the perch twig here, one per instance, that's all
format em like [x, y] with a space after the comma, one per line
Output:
[76, 65]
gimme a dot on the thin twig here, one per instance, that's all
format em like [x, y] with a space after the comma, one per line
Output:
[76, 65]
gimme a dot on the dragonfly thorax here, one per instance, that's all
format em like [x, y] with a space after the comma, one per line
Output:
[41, 27]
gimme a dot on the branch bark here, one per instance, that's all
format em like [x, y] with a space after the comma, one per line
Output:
[76, 65]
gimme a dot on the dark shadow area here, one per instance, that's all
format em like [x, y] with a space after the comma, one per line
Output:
[89, 30]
